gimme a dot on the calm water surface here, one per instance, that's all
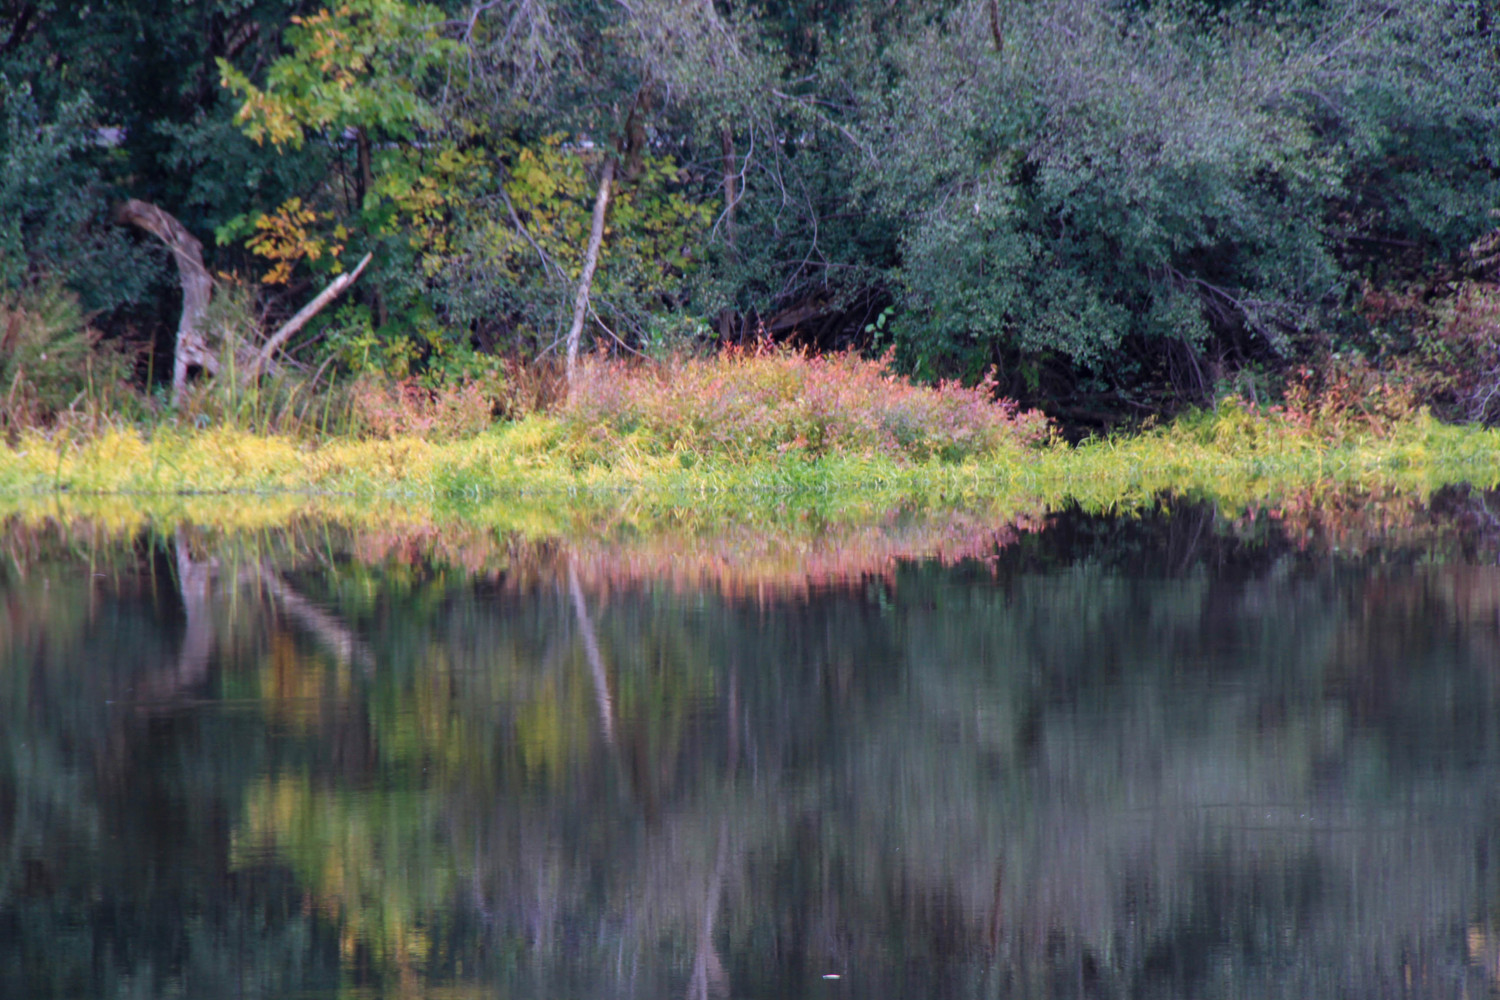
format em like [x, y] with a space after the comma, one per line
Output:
[1173, 755]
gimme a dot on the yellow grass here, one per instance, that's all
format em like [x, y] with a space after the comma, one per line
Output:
[1234, 455]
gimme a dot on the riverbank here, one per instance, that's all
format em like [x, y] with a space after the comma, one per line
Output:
[1236, 454]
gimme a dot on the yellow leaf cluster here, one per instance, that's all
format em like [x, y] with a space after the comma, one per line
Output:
[423, 192]
[284, 238]
[329, 46]
[267, 116]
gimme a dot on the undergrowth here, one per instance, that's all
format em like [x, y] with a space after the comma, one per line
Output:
[54, 369]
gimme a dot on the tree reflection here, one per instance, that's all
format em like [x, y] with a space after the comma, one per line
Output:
[1176, 755]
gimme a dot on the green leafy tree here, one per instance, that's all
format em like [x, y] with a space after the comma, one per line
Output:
[1103, 193]
[53, 206]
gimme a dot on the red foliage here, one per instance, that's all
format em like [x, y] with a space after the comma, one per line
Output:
[1341, 396]
[1443, 338]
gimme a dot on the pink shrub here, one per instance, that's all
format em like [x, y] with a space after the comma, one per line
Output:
[391, 408]
[749, 403]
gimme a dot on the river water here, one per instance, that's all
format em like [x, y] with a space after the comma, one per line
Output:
[1170, 753]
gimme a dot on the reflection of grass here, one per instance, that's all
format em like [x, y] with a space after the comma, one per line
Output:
[733, 548]
[1233, 454]
[746, 544]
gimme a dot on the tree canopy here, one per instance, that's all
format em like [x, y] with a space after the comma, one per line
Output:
[1121, 199]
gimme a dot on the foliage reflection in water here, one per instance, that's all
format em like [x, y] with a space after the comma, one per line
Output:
[1169, 754]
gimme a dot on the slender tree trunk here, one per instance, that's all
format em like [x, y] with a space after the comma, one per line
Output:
[731, 199]
[366, 179]
[708, 977]
[590, 263]
[731, 184]
[192, 346]
[364, 185]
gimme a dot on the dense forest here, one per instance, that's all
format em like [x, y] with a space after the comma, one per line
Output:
[1117, 207]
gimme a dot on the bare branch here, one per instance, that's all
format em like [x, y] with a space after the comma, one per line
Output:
[306, 313]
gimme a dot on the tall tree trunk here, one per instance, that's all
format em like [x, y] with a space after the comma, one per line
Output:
[590, 262]
[192, 346]
[21, 21]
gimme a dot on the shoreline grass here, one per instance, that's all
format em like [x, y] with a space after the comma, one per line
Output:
[1233, 454]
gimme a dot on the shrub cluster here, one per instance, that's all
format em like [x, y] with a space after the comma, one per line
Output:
[743, 404]
[53, 368]
[391, 408]
[1443, 338]
[1344, 396]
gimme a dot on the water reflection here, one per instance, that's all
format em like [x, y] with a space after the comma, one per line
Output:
[1170, 755]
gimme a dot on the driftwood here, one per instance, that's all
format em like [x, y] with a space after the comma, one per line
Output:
[192, 346]
[590, 262]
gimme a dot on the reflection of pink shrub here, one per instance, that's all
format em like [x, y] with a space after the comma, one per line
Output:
[747, 403]
[757, 562]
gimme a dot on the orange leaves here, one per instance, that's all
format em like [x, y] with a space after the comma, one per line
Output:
[1344, 396]
[266, 116]
[328, 45]
[360, 65]
[284, 238]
